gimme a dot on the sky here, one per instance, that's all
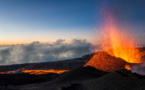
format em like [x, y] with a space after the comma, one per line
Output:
[25, 21]
[50, 30]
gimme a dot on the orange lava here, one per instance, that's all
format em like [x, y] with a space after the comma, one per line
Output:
[127, 67]
[40, 72]
[116, 43]
[36, 72]
[105, 62]
[2, 72]
[122, 44]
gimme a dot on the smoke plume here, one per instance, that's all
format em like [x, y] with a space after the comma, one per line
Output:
[139, 68]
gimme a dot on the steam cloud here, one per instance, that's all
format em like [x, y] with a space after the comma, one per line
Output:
[140, 68]
[40, 52]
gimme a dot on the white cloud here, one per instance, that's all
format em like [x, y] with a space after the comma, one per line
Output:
[40, 52]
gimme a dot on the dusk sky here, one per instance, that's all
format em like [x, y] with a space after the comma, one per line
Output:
[25, 21]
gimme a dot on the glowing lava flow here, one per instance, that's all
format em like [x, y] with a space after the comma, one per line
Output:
[36, 72]
[40, 72]
[116, 43]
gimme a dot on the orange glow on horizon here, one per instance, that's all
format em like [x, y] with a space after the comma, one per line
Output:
[50, 41]
[22, 42]
[30, 41]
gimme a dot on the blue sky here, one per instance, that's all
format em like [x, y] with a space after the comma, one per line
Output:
[25, 21]
[46, 20]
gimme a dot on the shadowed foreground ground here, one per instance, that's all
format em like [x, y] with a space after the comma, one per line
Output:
[89, 78]
[83, 78]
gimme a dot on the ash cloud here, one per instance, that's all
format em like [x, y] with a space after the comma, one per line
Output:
[40, 52]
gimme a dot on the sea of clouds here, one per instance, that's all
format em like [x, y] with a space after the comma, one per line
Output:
[43, 52]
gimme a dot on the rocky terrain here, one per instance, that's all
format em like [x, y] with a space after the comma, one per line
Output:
[79, 77]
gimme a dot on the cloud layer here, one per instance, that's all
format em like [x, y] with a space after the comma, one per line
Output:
[40, 52]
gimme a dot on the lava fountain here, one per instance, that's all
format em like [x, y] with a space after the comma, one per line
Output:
[118, 44]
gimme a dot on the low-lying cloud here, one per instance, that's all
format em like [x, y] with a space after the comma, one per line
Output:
[40, 52]
[139, 68]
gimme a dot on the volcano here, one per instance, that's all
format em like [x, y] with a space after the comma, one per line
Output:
[108, 73]
[109, 69]
[105, 62]
[118, 46]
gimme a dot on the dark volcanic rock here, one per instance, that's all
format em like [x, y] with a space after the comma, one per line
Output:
[119, 80]
[71, 80]
[74, 86]
[24, 78]
[88, 78]
[79, 75]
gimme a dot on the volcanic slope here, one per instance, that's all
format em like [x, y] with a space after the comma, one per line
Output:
[89, 78]
[119, 80]
[78, 75]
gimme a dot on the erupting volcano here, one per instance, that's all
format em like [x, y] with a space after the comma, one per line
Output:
[120, 45]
